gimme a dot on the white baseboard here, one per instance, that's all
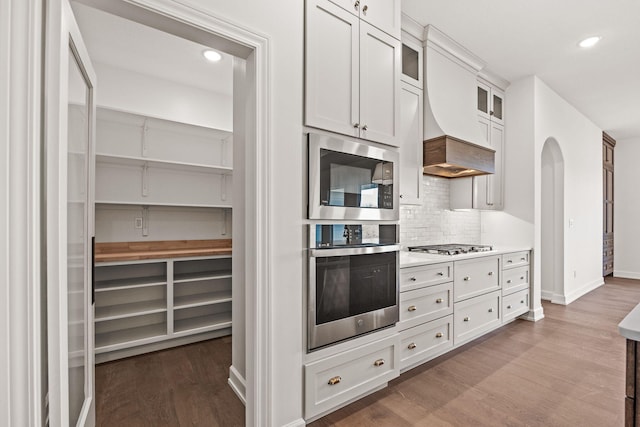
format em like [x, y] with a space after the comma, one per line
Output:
[238, 384]
[626, 274]
[546, 295]
[533, 315]
[297, 423]
[571, 297]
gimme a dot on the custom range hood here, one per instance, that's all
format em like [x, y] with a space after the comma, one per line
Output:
[454, 146]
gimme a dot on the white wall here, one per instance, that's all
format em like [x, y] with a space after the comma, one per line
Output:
[626, 209]
[132, 92]
[535, 113]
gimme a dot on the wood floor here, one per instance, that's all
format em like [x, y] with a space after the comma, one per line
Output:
[183, 386]
[565, 370]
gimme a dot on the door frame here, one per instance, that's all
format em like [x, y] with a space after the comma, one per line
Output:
[179, 19]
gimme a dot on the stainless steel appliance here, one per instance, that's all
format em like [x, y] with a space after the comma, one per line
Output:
[352, 180]
[450, 249]
[353, 281]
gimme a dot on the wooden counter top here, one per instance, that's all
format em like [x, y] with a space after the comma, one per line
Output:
[132, 251]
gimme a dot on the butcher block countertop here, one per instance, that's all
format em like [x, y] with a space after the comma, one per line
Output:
[132, 251]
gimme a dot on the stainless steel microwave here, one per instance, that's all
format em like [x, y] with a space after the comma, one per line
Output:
[352, 180]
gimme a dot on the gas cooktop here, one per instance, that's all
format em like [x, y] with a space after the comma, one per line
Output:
[450, 249]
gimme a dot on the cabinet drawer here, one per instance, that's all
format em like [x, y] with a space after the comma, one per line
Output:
[337, 379]
[475, 277]
[425, 275]
[515, 259]
[515, 279]
[422, 342]
[421, 305]
[475, 316]
[514, 305]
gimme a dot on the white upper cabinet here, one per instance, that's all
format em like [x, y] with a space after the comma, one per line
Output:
[490, 102]
[352, 75]
[412, 63]
[489, 188]
[382, 14]
[411, 145]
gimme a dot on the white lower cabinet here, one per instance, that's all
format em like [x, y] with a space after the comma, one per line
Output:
[475, 316]
[515, 279]
[340, 378]
[514, 305]
[425, 304]
[160, 303]
[475, 277]
[421, 343]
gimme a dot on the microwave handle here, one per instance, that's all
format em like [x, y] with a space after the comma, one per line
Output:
[322, 253]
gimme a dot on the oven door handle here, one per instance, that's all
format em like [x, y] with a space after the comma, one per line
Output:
[328, 252]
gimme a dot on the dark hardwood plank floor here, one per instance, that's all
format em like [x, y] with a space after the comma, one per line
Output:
[565, 370]
[182, 386]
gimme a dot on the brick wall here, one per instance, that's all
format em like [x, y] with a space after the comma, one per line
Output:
[433, 222]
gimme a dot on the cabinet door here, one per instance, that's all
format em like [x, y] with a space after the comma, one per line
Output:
[484, 100]
[331, 68]
[497, 106]
[383, 14]
[410, 145]
[488, 189]
[352, 6]
[380, 62]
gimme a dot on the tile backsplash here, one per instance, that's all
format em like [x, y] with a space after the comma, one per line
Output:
[433, 222]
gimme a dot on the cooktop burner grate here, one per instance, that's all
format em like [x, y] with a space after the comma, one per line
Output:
[450, 249]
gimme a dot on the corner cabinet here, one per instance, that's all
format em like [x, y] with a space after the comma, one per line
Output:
[148, 305]
[352, 74]
[411, 145]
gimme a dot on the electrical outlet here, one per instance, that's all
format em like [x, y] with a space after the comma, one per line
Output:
[138, 223]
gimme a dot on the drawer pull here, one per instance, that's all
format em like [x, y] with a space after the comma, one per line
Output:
[521, 277]
[523, 259]
[509, 261]
[412, 308]
[466, 319]
[439, 335]
[441, 274]
[491, 310]
[491, 273]
[439, 301]
[509, 307]
[413, 279]
[378, 362]
[466, 279]
[509, 281]
[411, 346]
[335, 380]
[522, 302]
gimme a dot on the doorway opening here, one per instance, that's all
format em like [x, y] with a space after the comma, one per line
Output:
[552, 224]
[248, 376]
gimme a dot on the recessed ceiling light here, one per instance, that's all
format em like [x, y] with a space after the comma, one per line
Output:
[589, 41]
[212, 55]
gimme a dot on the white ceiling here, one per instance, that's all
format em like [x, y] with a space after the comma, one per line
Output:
[518, 38]
[126, 44]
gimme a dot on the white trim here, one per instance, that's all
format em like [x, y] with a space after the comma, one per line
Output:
[238, 384]
[412, 27]
[626, 274]
[533, 315]
[297, 423]
[574, 295]
[440, 41]
[547, 295]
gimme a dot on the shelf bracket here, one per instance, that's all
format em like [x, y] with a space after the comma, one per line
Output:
[223, 187]
[145, 129]
[145, 179]
[145, 221]
[224, 222]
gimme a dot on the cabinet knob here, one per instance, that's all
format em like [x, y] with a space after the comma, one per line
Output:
[521, 277]
[335, 380]
[523, 259]
[439, 301]
[439, 335]
[466, 279]
[466, 319]
[356, 5]
[365, 126]
[412, 308]
[521, 301]
[491, 310]
[356, 125]
[364, 9]
[509, 281]
[400, 196]
[378, 362]
[413, 279]
[440, 273]
[509, 307]
[411, 346]
[490, 273]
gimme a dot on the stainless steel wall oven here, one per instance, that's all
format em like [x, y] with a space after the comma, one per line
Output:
[353, 281]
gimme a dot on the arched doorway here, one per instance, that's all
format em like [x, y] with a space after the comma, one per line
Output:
[552, 222]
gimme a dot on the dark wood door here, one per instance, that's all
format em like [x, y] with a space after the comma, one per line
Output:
[608, 145]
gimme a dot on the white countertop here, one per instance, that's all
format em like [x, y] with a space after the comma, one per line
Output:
[630, 325]
[412, 259]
